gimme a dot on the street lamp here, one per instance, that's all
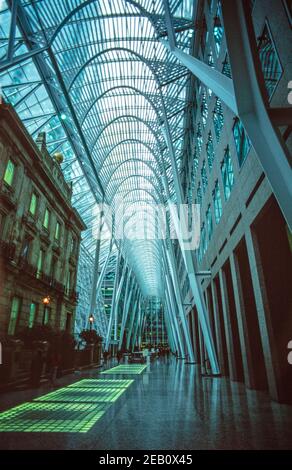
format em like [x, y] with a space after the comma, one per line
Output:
[47, 300]
[91, 320]
[46, 303]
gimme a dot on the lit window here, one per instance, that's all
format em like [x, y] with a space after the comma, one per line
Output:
[211, 59]
[227, 174]
[57, 231]
[9, 173]
[46, 315]
[218, 118]
[226, 70]
[217, 203]
[196, 162]
[204, 240]
[210, 151]
[204, 109]
[209, 222]
[25, 248]
[271, 66]
[14, 315]
[40, 263]
[47, 219]
[204, 176]
[32, 314]
[73, 245]
[33, 204]
[242, 142]
[218, 30]
[202, 247]
[199, 138]
[199, 194]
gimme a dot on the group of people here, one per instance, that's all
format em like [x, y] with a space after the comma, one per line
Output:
[160, 350]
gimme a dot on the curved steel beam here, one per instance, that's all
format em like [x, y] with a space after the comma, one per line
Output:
[128, 87]
[111, 49]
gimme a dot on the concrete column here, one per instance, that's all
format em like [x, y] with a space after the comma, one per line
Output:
[244, 333]
[202, 351]
[273, 367]
[227, 327]
[217, 327]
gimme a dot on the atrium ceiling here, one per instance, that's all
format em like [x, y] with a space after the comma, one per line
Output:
[99, 81]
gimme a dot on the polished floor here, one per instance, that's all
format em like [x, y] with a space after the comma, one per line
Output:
[166, 406]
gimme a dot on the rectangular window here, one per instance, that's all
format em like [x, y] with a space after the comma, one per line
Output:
[57, 231]
[9, 172]
[32, 314]
[226, 70]
[14, 315]
[218, 118]
[47, 219]
[218, 30]
[271, 67]
[209, 222]
[227, 174]
[204, 109]
[204, 176]
[40, 264]
[73, 245]
[196, 162]
[199, 138]
[47, 315]
[217, 203]
[204, 240]
[53, 267]
[211, 62]
[33, 204]
[69, 282]
[242, 142]
[25, 248]
[210, 151]
[199, 194]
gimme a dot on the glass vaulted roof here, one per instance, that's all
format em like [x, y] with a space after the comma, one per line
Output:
[102, 86]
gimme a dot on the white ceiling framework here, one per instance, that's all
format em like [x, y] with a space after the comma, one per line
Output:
[101, 89]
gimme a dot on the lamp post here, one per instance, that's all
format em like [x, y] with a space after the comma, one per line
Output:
[46, 303]
[91, 320]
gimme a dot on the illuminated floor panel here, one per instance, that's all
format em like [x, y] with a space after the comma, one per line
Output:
[97, 383]
[126, 369]
[51, 417]
[84, 395]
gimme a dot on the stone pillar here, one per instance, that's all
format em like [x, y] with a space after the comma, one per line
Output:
[227, 327]
[217, 327]
[243, 329]
[273, 368]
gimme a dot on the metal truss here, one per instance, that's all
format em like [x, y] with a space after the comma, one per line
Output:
[114, 103]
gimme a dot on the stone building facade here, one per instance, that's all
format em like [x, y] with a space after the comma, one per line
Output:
[40, 233]
[245, 241]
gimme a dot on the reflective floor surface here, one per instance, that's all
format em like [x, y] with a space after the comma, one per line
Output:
[166, 406]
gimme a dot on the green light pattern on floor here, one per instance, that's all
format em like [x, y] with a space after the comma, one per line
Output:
[85, 395]
[126, 369]
[96, 383]
[52, 417]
